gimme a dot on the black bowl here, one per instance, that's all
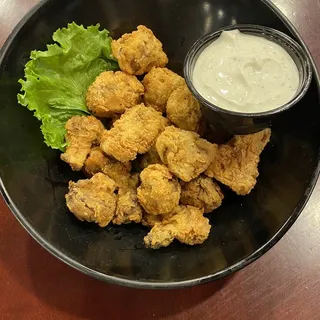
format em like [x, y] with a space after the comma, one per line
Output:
[34, 180]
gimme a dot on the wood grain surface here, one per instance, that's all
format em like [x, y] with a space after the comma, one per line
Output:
[283, 284]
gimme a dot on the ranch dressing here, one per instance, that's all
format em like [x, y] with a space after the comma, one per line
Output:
[245, 73]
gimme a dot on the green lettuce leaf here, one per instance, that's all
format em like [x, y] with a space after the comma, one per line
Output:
[56, 80]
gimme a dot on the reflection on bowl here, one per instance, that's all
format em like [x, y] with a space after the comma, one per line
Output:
[235, 122]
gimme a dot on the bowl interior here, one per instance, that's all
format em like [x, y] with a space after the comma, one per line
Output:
[35, 179]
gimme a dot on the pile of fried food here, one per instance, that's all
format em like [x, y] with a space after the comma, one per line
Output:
[150, 164]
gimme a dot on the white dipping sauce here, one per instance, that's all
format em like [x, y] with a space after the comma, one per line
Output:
[245, 73]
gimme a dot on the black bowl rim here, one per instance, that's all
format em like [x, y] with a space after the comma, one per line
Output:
[250, 27]
[164, 285]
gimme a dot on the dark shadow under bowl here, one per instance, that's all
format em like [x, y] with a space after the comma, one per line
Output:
[34, 180]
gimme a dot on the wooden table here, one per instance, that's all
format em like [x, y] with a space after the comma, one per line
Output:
[283, 284]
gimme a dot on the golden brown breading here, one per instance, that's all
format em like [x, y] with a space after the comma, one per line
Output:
[183, 109]
[134, 181]
[135, 132]
[159, 83]
[128, 207]
[114, 169]
[151, 157]
[139, 51]
[201, 192]
[93, 200]
[159, 192]
[95, 162]
[149, 220]
[188, 226]
[184, 152]
[236, 163]
[112, 93]
[82, 133]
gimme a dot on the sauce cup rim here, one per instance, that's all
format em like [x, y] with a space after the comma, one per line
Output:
[269, 33]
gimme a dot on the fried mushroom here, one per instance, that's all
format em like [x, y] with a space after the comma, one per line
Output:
[112, 93]
[159, 192]
[93, 200]
[159, 83]
[82, 133]
[139, 51]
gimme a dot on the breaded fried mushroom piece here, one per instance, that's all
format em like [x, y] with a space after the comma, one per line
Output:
[236, 163]
[118, 171]
[188, 226]
[112, 93]
[82, 133]
[159, 83]
[134, 133]
[201, 192]
[151, 157]
[159, 192]
[93, 200]
[128, 207]
[95, 162]
[183, 109]
[139, 51]
[184, 152]
[150, 220]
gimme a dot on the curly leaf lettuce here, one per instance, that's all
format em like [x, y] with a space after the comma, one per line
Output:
[56, 80]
